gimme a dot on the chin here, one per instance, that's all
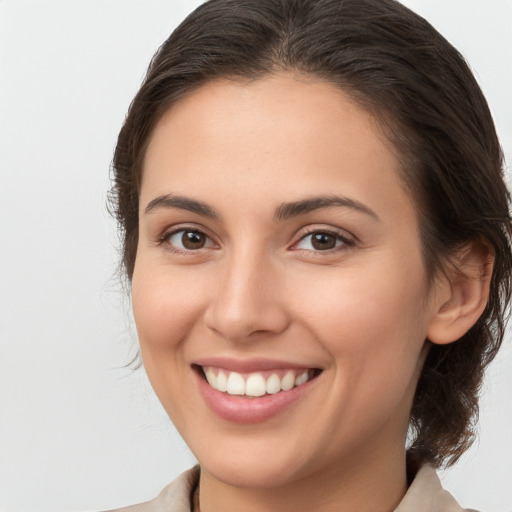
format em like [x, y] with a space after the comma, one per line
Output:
[251, 474]
[256, 463]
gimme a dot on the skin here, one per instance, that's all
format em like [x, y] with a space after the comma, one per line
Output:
[360, 312]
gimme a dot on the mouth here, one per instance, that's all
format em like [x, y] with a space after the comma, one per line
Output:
[256, 384]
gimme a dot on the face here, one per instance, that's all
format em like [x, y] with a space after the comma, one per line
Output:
[279, 257]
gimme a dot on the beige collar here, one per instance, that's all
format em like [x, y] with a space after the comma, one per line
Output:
[425, 494]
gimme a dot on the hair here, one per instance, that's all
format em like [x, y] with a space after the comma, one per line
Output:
[420, 90]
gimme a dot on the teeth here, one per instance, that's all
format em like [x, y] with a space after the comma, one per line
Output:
[254, 384]
[211, 378]
[302, 378]
[222, 382]
[236, 384]
[288, 381]
[273, 384]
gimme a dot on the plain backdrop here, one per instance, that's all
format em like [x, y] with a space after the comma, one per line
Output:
[77, 431]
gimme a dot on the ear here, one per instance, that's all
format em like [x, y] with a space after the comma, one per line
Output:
[462, 292]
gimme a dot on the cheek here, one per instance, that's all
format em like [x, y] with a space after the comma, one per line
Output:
[373, 324]
[166, 306]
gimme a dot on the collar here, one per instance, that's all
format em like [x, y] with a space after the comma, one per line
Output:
[425, 494]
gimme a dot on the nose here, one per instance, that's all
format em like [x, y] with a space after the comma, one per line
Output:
[248, 299]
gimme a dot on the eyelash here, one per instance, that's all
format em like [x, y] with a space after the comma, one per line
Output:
[346, 242]
[182, 229]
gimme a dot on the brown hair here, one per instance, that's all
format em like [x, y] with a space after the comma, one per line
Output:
[428, 104]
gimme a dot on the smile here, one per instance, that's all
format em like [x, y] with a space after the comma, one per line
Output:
[255, 390]
[256, 384]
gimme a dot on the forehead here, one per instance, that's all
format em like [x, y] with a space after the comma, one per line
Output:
[283, 133]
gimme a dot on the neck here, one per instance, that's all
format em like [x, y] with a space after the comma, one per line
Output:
[371, 484]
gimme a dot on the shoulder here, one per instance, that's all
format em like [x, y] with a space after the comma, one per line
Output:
[175, 497]
[426, 494]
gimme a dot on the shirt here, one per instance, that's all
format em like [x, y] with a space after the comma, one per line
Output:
[425, 494]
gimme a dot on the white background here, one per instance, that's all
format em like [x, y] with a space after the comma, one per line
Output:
[77, 432]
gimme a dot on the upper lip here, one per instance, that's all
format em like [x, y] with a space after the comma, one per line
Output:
[249, 365]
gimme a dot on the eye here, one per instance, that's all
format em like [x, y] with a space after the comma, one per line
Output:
[322, 241]
[187, 240]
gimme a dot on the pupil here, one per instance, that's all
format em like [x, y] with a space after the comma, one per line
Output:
[323, 241]
[193, 240]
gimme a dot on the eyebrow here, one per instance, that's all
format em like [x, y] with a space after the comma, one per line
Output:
[283, 212]
[293, 209]
[181, 203]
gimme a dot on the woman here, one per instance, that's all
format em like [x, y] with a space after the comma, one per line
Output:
[317, 234]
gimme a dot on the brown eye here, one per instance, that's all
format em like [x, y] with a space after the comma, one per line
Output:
[318, 241]
[187, 240]
[323, 241]
[192, 240]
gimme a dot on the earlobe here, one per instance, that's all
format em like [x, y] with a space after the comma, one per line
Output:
[462, 292]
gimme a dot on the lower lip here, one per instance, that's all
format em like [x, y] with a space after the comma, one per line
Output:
[240, 409]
